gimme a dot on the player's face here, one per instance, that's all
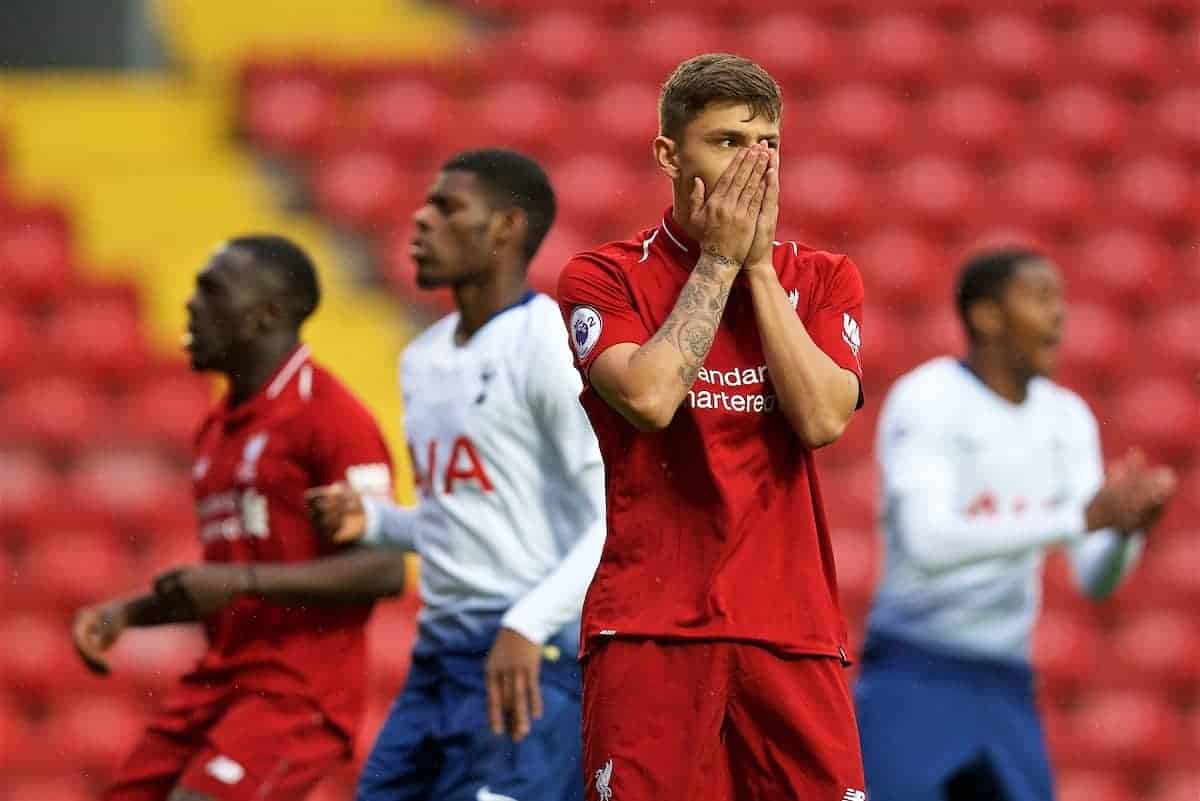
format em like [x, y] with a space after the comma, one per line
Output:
[455, 232]
[711, 140]
[223, 310]
[1035, 313]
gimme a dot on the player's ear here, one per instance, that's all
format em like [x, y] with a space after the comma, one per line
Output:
[986, 318]
[510, 226]
[666, 156]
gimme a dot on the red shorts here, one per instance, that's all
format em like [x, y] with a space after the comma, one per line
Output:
[717, 720]
[243, 747]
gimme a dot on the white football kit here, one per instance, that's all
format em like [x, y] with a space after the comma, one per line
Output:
[975, 490]
[509, 523]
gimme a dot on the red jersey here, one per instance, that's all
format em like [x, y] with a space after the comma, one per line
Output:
[715, 524]
[254, 462]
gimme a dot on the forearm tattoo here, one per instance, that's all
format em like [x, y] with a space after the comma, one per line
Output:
[692, 324]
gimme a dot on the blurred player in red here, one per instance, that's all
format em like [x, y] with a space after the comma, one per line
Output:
[275, 702]
[716, 361]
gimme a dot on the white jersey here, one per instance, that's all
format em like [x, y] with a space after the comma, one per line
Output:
[975, 490]
[509, 523]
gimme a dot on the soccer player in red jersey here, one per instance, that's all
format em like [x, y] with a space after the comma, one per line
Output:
[275, 702]
[716, 360]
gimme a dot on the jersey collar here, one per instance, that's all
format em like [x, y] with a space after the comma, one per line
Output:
[677, 242]
[272, 389]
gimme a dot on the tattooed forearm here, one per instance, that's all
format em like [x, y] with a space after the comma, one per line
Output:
[692, 324]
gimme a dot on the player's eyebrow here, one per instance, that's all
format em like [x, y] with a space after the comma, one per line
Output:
[742, 136]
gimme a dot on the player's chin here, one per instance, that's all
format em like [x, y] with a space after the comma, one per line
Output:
[1045, 362]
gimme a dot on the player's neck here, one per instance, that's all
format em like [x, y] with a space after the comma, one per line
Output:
[479, 301]
[260, 362]
[998, 375]
[679, 217]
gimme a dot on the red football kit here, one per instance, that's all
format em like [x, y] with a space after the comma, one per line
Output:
[712, 639]
[277, 698]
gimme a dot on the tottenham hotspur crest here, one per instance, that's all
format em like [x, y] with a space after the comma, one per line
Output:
[585, 330]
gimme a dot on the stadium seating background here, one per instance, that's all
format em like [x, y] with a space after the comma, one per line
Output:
[913, 132]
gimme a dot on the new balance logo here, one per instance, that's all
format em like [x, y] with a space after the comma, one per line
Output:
[854, 795]
[851, 333]
[603, 777]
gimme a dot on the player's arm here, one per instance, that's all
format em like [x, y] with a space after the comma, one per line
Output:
[816, 394]
[647, 383]
[97, 628]
[514, 697]
[937, 532]
[1101, 561]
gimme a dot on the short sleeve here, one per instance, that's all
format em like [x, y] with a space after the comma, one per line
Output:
[836, 323]
[597, 309]
[553, 391]
[348, 446]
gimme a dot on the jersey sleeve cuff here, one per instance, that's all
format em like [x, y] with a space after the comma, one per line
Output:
[527, 625]
[372, 525]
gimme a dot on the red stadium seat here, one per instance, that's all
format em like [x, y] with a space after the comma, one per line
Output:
[1048, 193]
[936, 332]
[29, 487]
[35, 253]
[903, 48]
[42, 659]
[863, 119]
[934, 192]
[18, 342]
[403, 112]
[1158, 190]
[902, 268]
[974, 119]
[857, 558]
[797, 49]
[1066, 649]
[566, 46]
[522, 114]
[94, 731]
[134, 487]
[66, 569]
[1171, 565]
[1176, 120]
[1160, 415]
[1013, 49]
[661, 41]
[97, 333]
[56, 411]
[561, 244]
[1097, 347]
[1123, 267]
[593, 191]
[1085, 120]
[1126, 729]
[623, 120]
[885, 350]
[361, 186]
[289, 110]
[1093, 785]
[1121, 49]
[825, 192]
[166, 409]
[1159, 648]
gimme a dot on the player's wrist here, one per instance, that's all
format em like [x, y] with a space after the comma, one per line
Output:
[720, 256]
